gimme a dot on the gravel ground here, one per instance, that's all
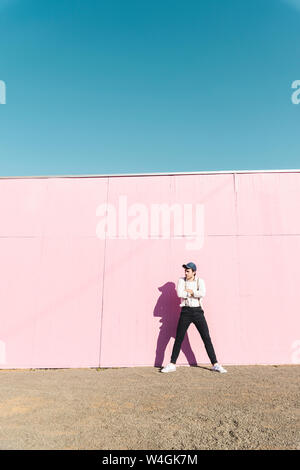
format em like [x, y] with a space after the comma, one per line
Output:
[250, 407]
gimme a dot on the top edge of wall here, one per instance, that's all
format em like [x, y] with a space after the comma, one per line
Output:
[152, 174]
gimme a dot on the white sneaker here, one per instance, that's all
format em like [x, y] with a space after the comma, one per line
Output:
[219, 368]
[169, 368]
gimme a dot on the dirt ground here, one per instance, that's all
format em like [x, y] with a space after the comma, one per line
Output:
[250, 407]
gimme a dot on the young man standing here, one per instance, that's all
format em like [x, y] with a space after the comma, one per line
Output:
[191, 290]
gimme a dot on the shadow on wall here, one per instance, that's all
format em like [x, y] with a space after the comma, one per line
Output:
[167, 307]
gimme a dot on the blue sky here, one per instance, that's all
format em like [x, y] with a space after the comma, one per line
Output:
[133, 86]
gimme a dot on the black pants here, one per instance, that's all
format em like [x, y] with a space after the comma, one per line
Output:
[194, 315]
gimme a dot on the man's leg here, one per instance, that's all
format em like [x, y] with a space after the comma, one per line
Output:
[183, 324]
[201, 325]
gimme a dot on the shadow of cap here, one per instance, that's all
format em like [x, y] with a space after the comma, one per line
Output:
[166, 286]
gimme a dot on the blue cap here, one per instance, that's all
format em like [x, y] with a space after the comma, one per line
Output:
[190, 265]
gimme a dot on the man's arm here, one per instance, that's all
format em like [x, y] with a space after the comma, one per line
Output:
[202, 289]
[181, 292]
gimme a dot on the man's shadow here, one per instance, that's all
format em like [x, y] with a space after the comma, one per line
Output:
[167, 307]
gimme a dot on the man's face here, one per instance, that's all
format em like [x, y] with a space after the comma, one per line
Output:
[189, 273]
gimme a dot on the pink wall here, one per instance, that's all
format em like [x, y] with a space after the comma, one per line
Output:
[71, 299]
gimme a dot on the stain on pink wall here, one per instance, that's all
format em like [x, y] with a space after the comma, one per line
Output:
[72, 299]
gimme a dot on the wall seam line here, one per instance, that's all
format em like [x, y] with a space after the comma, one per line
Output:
[103, 280]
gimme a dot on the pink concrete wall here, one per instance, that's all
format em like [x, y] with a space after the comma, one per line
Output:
[71, 299]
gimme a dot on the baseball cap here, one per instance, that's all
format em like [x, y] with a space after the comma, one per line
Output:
[190, 265]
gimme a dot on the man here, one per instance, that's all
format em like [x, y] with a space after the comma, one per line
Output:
[191, 289]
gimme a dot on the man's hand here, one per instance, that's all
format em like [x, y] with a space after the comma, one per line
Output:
[190, 291]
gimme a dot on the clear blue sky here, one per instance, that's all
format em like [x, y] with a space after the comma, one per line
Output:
[132, 86]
